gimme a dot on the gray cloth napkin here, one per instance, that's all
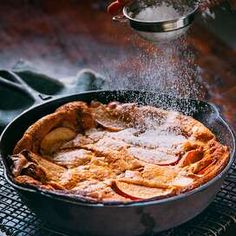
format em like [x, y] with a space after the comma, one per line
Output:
[12, 102]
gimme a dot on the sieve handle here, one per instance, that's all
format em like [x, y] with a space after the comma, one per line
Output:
[120, 19]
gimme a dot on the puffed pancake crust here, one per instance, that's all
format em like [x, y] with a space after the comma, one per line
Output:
[117, 152]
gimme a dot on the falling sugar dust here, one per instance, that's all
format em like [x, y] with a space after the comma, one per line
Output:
[167, 66]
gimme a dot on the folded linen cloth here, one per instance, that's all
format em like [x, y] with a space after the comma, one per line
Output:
[13, 102]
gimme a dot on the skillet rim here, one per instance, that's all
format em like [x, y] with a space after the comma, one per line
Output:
[87, 203]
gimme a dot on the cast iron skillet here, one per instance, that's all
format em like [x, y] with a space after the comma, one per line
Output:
[78, 217]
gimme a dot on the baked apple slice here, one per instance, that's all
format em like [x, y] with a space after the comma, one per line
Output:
[153, 156]
[113, 117]
[54, 139]
[191, 157]
[110, 123]
[139, 192]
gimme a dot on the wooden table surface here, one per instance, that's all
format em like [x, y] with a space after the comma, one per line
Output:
[61, 37]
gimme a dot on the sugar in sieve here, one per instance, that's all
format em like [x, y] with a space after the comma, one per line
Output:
[157, 20]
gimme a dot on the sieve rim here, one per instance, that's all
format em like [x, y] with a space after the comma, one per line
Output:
[161, 26]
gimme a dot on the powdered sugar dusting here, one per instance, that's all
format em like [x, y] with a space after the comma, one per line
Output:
[167, 67]
[158, 13]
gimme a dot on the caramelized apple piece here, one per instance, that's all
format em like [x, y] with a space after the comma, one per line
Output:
[138, 192]
[109, 125]
[191, 157]
[113, 117]
[153, 156]
[53, 140]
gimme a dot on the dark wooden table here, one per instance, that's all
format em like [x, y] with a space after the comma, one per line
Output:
[61, 37]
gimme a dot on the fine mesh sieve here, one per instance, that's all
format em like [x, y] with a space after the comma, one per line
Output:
[161, 25]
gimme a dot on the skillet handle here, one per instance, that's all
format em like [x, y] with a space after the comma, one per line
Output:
[14, 82]
[44, 97]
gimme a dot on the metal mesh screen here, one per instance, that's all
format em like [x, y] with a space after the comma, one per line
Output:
[17, 220]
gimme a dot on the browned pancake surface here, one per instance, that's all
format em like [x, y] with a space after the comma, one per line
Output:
[117, 152]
